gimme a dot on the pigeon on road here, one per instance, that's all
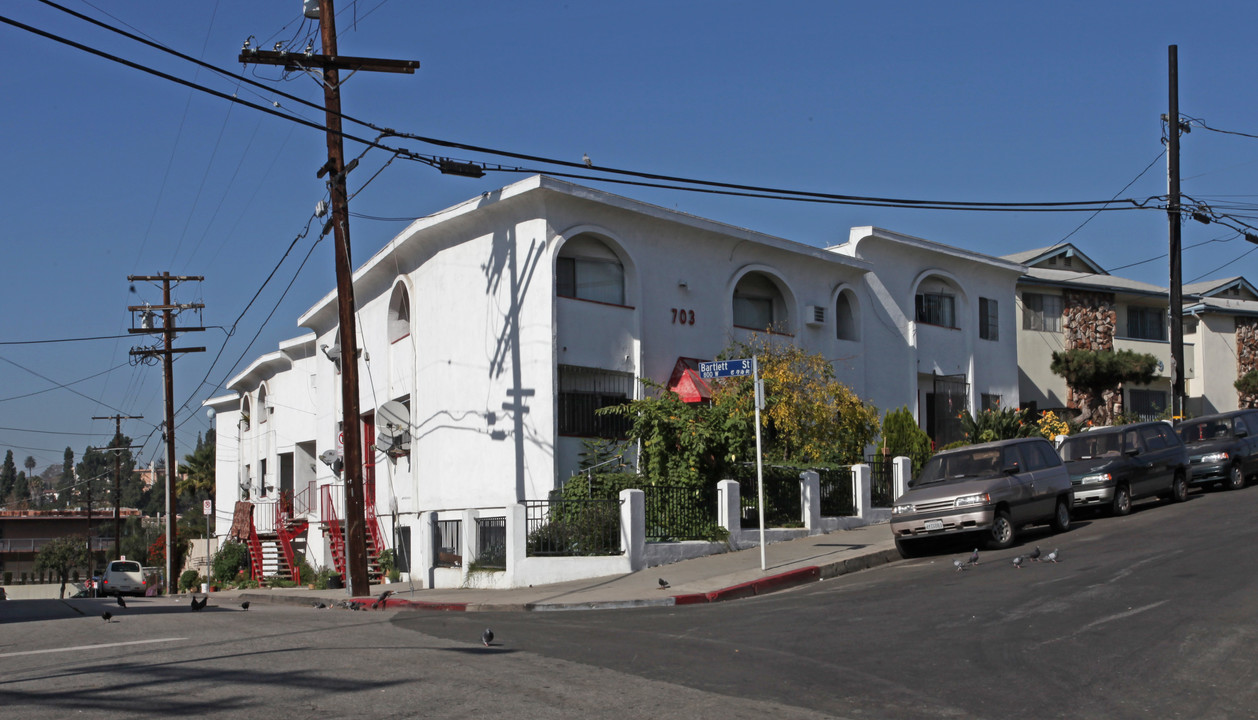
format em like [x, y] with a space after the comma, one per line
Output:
[974, 557]
[197, 606]
[379, 603]
[106, 615]
[958, 565]
[121, 603]
[244, 605]
[1051, 557]
[487, 637]
[1035, 554]
[1017, 562]
[664, 584]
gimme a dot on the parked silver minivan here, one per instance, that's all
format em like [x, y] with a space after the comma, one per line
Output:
[988, 490]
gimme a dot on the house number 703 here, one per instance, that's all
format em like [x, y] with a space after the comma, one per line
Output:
[683, 317]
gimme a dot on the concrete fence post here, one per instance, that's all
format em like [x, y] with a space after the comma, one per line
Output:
[901, 473]
[729, 507]
[862, 490]
[633, 527]
[423, 549]
[517, 542]
[471, 543]
[810, 499]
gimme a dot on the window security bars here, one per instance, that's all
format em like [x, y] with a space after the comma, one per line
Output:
[447, 543]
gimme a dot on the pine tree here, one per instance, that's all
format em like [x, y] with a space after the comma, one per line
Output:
[8, 476]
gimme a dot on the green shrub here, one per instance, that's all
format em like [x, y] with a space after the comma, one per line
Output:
[190, 580]
[8, 577]
[23, 578]
[229, 561]
[305, 573]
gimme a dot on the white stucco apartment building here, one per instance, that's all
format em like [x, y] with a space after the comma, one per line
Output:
[500, 324]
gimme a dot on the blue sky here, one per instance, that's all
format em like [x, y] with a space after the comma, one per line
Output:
[110, 172]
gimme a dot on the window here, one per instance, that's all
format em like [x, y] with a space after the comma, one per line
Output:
[937, 309]
[845, 326]
[587, 269]
[263, 409]
[1147, 404]
[1041, 312]
[399, 314]
[758, 304]
[988, 319]
[1146, 323]
[990, 401]
[447, 542]
[584, 390]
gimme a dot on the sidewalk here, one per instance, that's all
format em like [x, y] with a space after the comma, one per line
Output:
[701, 580]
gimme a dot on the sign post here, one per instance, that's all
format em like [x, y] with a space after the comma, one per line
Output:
[742, 368]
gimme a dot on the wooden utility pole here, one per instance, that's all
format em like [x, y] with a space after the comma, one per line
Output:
[1176, 304]
[117, 451]
[330, 64]
[167, 352]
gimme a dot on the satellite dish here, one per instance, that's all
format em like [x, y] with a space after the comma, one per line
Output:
[393, 429]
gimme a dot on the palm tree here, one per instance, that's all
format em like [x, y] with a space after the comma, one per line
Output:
[197, 474]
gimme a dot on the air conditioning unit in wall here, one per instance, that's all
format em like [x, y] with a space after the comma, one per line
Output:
[814, 315]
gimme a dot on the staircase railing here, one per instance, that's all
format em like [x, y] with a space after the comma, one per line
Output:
[287, 528]
[327, 515]
[255, 552]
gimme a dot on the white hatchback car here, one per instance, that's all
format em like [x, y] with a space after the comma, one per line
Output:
[122, 577]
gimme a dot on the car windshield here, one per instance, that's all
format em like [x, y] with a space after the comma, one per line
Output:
[1087, 446]
[1206, 430]
[954, 467]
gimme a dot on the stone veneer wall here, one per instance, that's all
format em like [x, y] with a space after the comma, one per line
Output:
[1246, 356]
[1088, 322]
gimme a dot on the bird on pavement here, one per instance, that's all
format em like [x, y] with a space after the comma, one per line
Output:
[958, 565]
[198, 605]
[244, 605]
[1017, 562]
[1051, 557]
[1035, 554]
[974, 557]
[379, 603]
[121, 603]
[106, 615]
[318, 605]
[487, 637]
[664, 584]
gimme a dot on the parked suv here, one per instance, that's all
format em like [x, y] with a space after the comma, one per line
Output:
[1222, 449]
[122, 577]
[1110, 467]
[987, 490]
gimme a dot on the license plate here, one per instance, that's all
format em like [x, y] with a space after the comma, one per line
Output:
[934, 525]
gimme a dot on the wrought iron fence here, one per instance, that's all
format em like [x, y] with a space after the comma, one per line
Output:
[491, 550]
[782, 506]
[881, 477]
[447, 541]
[559, 527]
[837, 496]
[676, 512]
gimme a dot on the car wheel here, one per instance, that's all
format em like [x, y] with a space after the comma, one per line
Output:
[1002, 532]
[1122, 501]
[1235, 478]
[1061, 516]
[908, 548]
[1179, 488]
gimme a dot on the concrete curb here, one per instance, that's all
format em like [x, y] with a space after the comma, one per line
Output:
[759, 586]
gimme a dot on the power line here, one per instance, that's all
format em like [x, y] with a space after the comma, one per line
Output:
[61, 340]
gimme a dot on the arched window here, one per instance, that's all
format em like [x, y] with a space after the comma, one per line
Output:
[846, 322]
[587, 269]
[936, 303]
[759, 305]
[399, 314]
[263, 410]
[244, 414]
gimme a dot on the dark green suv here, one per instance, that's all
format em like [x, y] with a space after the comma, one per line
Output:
[1110, 467]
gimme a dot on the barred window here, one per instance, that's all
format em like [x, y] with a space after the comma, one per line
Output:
[937, 309]
[582, 391]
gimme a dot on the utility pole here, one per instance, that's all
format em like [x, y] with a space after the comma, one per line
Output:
[1176, 304]
[167, 352]
[118, 476]
[331, 64]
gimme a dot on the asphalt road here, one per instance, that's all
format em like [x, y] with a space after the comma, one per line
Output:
[1152, 615]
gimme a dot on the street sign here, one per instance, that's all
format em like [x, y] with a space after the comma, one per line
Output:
[206, 507]
[725, 368]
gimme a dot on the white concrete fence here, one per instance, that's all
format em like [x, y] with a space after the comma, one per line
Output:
[636, 554]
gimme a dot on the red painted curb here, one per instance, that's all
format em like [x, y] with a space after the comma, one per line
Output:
[752, 588]
[400, 604]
